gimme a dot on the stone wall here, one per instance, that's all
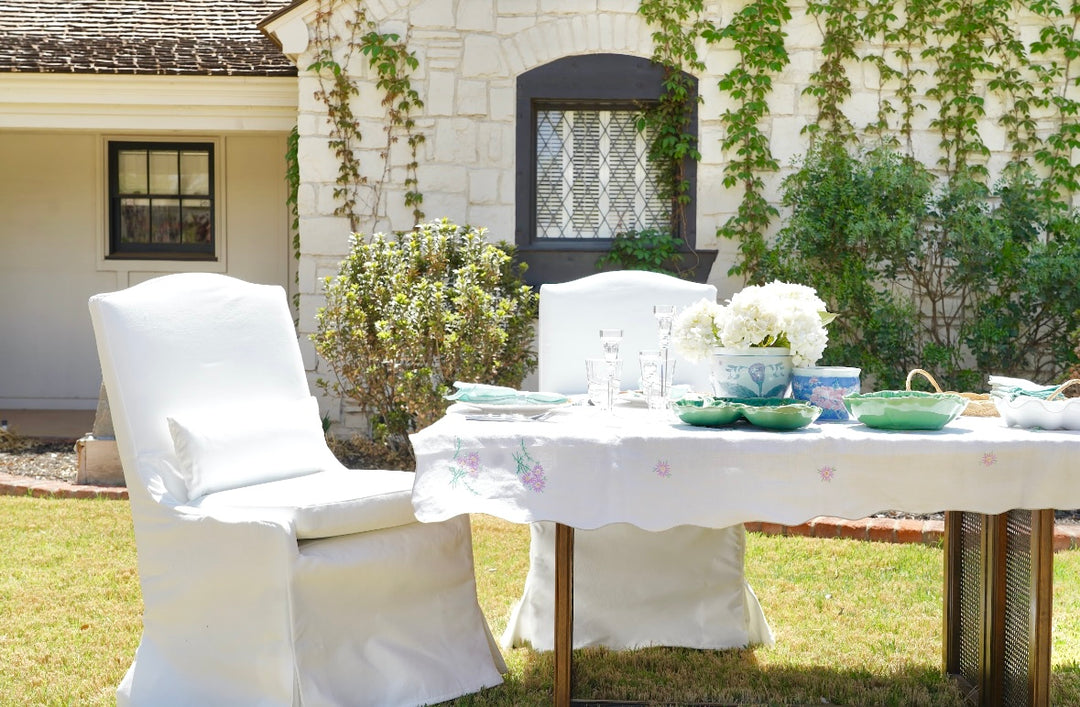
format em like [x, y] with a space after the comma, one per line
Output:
[470, 53]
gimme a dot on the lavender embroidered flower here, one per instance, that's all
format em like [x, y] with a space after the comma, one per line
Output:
[826, 473]
[464, 467]
[989, 459]
[535, 479]
[530, 471]
[662, 469]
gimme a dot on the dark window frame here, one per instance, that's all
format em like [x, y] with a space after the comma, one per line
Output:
[119, 250]
[592, 81]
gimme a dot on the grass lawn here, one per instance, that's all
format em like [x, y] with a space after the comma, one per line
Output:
[856, 623]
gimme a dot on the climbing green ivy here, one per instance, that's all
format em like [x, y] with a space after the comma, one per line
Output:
[756, 33]
[669, 121]
[830, 84]
[388, 56]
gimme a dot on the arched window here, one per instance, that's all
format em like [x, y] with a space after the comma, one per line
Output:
[583, 173]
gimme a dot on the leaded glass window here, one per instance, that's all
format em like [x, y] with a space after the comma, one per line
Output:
[593, 176]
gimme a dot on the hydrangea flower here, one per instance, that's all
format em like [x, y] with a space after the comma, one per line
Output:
[777, 314]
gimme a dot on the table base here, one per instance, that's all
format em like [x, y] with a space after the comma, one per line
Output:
[998, 598]
[997, 605]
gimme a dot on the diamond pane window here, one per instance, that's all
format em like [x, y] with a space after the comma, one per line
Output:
[593, 177]
[161, 200]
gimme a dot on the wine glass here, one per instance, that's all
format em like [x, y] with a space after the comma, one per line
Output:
[665, 316]
[609, 342]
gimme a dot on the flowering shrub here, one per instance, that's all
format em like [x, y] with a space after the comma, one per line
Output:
[777, 314]
[408, 315]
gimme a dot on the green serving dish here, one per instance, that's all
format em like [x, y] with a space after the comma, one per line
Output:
[768, 413]
[905, 409]
[782, 416]
[707, 412]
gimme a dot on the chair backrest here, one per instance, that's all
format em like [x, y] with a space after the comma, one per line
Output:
[572, 314]
[190, 341]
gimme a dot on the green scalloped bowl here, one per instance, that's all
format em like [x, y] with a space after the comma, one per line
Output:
[782, 416]
[768, 413]
[707, 412]
[904, 409]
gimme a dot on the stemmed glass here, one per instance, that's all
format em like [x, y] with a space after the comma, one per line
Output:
[609, 341]
[665, 315]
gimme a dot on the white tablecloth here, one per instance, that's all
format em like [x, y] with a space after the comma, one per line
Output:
[586, 469]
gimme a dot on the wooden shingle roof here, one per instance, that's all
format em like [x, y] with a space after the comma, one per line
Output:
[162, 37]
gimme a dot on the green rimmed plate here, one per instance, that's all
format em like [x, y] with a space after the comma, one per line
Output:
[905, 409]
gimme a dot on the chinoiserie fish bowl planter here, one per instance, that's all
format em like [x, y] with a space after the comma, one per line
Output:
[755, 372]
[825, 387]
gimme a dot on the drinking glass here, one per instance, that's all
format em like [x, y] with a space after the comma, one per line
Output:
[600, 373]
[653, 373]
[609, 341]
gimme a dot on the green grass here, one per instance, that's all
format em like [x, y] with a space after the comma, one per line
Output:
[856, 623]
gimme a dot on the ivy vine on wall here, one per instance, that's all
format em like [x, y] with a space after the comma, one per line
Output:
[339, 39]
[948, 57]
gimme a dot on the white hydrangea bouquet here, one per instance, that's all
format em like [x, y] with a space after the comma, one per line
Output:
[779, 314]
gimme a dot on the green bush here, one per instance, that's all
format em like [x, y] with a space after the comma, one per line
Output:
[647, 249]
[408, 315]
[953, 277]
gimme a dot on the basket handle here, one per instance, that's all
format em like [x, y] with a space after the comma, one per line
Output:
[927, 376]
[1061, 388]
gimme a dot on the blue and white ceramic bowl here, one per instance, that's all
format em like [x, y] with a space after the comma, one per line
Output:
[825, 387]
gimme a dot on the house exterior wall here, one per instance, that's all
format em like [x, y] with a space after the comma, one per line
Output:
[470, 54]
[52, 249]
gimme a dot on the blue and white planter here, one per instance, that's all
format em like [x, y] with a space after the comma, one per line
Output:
[761, 372]
[826, 386]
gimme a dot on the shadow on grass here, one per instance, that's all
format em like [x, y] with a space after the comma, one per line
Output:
[661, 676]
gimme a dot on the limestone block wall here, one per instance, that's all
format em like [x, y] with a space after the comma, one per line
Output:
[471, 52]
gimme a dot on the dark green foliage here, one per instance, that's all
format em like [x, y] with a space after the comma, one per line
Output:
[955, 278]
[648, 249]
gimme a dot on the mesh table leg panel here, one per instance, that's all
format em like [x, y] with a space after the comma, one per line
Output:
[998, 599]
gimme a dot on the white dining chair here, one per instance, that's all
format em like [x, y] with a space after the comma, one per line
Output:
[632, 588]
[270, 574]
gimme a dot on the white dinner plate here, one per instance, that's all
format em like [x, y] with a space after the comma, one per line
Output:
[513, 408]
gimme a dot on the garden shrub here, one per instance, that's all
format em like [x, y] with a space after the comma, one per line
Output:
[951, 276]
[407, 315]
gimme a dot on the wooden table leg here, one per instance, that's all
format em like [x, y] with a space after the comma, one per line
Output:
[564, 612]
[1042, 531]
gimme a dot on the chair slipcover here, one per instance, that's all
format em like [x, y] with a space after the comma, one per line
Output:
[632, 588]
[270, 574]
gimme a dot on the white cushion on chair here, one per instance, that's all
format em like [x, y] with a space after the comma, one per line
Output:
[327, 503]
[225, 447]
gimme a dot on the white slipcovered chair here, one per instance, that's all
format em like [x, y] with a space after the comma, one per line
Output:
[632, 588]
[270, 573]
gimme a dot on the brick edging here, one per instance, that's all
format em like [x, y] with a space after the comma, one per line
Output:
[11, 485]
[891, 530]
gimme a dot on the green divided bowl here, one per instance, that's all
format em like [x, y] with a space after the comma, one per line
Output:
[905, 409]
[768, 413]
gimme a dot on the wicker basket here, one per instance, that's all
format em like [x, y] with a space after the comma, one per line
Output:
[1063, 387]
[979, 404]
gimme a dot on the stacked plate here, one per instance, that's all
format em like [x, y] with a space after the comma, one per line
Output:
[1026, 404]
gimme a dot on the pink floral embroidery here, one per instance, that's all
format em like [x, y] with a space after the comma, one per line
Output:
[662, 468]
[989, 459]
[530, 471]
[826, 473]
